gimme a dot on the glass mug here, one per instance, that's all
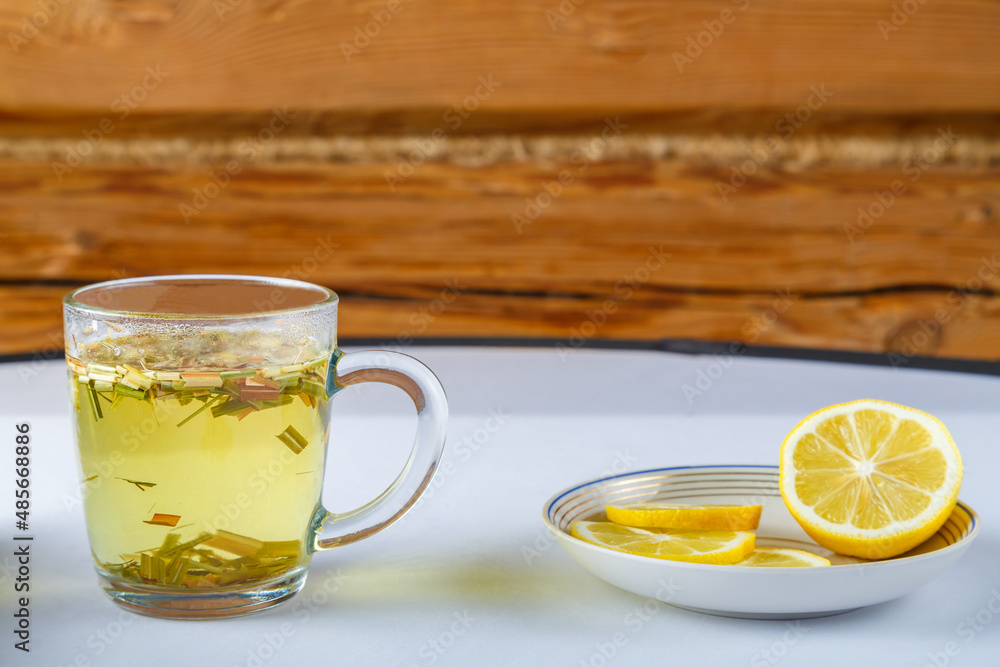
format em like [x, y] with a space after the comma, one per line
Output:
[202, 412]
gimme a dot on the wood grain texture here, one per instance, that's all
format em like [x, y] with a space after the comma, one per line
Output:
[441, 173]
[613, 56]
[445, 221]
[923, 324]
[441, 256]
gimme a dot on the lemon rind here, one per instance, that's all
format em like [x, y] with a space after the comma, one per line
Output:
[866, 542]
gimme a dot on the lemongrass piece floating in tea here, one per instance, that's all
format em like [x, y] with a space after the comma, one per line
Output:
[95, 403]
[249, 393]
[280, 549]
[128, 391]
[169, 542]
[164, 520]
[202, 564]
[178, 571]
[199, 410]
[260, 381]
[293, 439]
[153, 568]
[230, 375]
[313, 388]
[135, 376]
[141, 485]
[91, 478]
[234, 544]
[185, 546]
[231, 406]
[202, 380]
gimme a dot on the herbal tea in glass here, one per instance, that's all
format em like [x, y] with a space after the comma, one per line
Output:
[202, 413]
[201, 465]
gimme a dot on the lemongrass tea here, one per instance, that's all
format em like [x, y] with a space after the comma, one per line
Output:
[201, 405]
[201, 462]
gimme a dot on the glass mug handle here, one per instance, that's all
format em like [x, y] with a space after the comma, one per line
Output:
[423, 387]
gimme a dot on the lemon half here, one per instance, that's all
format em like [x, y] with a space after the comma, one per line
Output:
[870, 478]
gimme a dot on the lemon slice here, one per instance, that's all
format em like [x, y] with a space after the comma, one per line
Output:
[773, 557]
[722, 547]
[870, 478]
[693, 517]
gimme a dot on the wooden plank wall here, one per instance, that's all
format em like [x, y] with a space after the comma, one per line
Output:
[784, 172]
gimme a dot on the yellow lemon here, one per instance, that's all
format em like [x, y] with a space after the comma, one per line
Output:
[870, 478]
[688, 517]
[774, 557]
[722, 547]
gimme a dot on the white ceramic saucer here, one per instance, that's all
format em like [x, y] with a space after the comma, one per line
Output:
[792, 592]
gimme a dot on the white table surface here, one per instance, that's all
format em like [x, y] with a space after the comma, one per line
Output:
[470, 576]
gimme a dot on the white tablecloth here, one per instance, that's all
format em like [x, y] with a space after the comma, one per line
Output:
[470, 576]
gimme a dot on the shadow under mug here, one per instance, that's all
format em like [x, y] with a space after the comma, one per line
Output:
[202, 414]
